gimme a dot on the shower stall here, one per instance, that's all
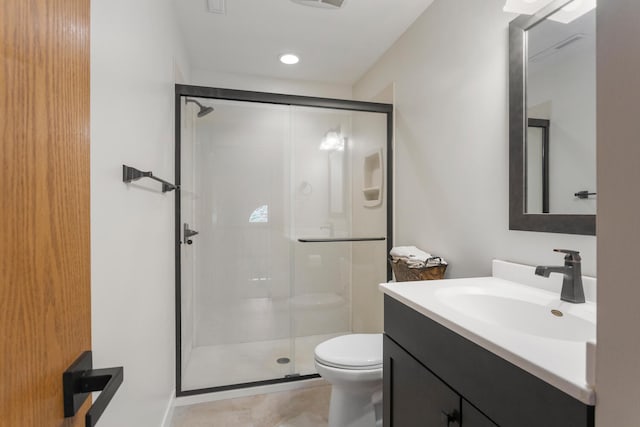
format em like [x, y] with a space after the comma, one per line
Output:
[283, 220]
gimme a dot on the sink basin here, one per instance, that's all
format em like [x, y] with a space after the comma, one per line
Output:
[511, 314]
[532, 313]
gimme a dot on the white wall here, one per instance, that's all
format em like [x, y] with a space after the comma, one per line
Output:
[266, 84]
[133, 45]
[450, 71]
[618, 352]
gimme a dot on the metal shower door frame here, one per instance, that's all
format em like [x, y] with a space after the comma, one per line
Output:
[265, 98]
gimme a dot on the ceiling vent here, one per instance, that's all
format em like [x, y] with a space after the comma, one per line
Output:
[545, 53]
[326, 4]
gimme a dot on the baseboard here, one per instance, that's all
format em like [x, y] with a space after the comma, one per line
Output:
[168, 413]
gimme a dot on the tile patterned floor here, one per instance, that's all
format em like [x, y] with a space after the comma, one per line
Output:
[308, 407]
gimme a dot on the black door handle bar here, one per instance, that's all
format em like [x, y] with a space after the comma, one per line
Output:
[80, 379]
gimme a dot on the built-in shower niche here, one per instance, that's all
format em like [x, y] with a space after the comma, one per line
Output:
[253, 180]
[373, 179]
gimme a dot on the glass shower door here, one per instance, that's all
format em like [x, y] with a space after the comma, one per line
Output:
[283, 225]
[339, 249]
[236, 274]
[321, 186]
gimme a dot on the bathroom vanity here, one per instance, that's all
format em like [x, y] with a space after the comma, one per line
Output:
[482, 352]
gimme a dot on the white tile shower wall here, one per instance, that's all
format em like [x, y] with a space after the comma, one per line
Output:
[133, 48]
[450, 71]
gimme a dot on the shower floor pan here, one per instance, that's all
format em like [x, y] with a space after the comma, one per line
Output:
[222, 365]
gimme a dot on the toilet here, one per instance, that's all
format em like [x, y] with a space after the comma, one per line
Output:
[352, 364]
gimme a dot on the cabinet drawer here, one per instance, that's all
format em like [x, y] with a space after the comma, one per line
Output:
[507, 394]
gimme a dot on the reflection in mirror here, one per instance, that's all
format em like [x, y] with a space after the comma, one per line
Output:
[561, 88]
[336, 182]
[552, 119]
[537, 166]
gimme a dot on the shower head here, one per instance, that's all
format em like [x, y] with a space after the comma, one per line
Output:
[203, 110]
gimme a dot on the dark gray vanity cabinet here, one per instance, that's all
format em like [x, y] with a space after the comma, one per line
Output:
[433, 377]
[473, 418]
[419, 398]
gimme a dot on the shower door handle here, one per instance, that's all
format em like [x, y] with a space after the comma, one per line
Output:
[188, 233]
[340, 239]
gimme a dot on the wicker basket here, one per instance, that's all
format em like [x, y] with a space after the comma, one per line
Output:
[403, 273]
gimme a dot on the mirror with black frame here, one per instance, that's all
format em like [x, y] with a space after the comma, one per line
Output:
[552, 171]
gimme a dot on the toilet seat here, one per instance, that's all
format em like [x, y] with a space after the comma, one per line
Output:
[353, 352]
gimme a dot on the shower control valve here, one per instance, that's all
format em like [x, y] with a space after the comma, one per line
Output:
[187, 233]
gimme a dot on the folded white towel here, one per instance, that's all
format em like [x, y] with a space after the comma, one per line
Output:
[409, 252]
[436, 260]
[413, 264]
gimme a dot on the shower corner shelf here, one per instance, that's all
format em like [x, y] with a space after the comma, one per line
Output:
[373, 178]
[372, 194]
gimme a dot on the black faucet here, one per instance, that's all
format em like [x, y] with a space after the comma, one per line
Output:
[572, 290]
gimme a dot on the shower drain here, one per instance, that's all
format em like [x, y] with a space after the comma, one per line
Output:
[283, 360]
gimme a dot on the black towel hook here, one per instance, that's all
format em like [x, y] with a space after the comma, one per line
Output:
[132, 174]
[584, 194]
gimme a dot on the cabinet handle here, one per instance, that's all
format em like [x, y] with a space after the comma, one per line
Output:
[448, 418]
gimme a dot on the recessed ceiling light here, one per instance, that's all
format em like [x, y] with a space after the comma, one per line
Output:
[289, 59]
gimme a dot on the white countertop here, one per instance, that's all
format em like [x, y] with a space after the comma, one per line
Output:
[560, 362]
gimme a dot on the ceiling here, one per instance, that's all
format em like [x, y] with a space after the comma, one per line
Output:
[334, 45]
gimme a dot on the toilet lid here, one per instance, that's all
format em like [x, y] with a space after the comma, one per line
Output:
[353, 351]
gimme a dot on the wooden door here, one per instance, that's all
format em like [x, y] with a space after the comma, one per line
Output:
[44, 205]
